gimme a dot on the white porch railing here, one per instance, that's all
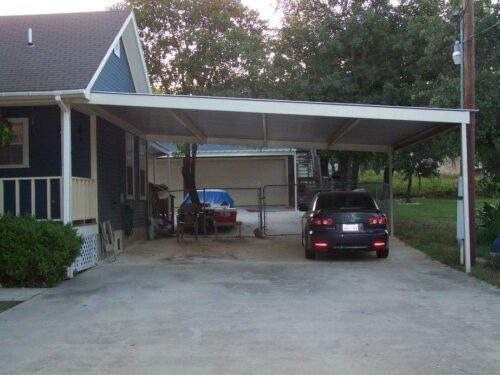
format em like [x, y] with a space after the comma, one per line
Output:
[84, 205]
[33, 192]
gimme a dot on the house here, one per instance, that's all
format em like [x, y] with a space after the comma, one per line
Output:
[45, 60]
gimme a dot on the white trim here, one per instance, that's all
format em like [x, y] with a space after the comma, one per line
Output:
[465, 179]
[317, 109]
[135, 55]
[24, 121]
[66, 160]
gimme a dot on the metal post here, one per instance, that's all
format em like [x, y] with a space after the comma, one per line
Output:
[391, 193]
[295, 180]
[467, 239]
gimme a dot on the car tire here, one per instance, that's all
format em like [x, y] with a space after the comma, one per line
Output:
[383, 253]
[310, 254]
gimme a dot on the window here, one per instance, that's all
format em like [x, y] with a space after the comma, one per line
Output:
[16, 155]
[143, 164]
[129, 152]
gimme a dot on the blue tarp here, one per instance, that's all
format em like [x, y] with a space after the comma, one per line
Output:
[215, 197]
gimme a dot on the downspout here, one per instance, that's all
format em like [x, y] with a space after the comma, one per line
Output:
[65, 159]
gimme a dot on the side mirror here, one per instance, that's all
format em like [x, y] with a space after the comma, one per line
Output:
[303, 207]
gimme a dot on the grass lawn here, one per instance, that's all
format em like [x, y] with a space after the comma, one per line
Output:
[430, 226]
[5, 305]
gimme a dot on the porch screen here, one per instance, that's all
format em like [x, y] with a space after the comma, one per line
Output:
[129, 151]
[16, 153]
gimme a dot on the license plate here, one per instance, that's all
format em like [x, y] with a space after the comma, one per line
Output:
[350, 227]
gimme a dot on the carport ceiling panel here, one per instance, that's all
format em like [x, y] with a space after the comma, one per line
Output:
[302, 128]
[150, 120]
[382, 132]
[216, 124]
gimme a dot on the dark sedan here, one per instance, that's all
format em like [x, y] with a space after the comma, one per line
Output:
[337, 221]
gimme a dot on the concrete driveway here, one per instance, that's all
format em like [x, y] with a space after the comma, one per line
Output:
[256, 307]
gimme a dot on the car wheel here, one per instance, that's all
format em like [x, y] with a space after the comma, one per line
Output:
[310, 254]
[383, 253]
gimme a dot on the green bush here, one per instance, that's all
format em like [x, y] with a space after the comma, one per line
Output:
[35, 253]
[488, 218]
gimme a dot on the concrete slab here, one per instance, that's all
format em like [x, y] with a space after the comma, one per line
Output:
[256, 306]
[19, 294]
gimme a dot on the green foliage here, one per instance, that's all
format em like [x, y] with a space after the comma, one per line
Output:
[201, 46]
[7, 135]
[488, 220]
[35, 253]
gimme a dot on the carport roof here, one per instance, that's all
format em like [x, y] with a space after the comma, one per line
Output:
[272, 123]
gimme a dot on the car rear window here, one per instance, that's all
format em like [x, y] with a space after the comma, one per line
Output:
[344, 201]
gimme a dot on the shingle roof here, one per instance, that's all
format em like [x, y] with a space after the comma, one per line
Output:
[67, 51]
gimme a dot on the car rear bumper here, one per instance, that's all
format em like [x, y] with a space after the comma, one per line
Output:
[324, 241]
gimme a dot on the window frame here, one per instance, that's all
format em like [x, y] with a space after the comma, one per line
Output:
[25, 143]
[129, 157]
[143, 166]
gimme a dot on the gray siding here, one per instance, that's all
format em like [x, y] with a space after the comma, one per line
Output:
[115, 76]
[111, 177]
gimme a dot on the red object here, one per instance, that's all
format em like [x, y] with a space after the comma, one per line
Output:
[322, 220]
[321, 244]
[378, 244]
[377, 220]
[225, 215]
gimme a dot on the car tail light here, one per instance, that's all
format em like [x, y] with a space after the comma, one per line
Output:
[377, 220]
[320, 244]
[321, 220]
[378, 244]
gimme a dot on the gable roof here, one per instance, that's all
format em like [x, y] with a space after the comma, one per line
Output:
[69, 49]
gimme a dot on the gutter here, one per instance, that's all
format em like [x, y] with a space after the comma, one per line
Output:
[46, 96]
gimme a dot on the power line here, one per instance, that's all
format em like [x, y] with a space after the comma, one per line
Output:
[483, 31]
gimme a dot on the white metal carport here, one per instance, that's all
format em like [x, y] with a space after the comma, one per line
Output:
[275, 123]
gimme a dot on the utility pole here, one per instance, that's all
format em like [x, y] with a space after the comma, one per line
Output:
[469, 103]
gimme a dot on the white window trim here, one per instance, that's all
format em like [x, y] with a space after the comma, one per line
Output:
[26, 144]
[129, 142]
[143, 165]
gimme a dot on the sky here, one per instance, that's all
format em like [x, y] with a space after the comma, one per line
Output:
[13, 7]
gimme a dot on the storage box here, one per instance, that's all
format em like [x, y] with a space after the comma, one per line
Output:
[225, 215]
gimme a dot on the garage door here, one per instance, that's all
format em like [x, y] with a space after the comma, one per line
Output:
[240, 176]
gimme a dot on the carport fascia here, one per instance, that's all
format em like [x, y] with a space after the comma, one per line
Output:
[426, 122]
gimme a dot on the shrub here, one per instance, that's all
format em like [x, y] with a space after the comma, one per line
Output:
[488, 218]
[35, 253]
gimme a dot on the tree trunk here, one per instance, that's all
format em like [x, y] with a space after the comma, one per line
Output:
[343, 170]
[188, 172]
[408, 189]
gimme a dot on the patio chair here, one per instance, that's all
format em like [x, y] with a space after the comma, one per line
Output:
[188, 216]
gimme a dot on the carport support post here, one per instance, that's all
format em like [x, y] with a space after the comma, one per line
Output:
[65, 159]
[391, 192]
[465, 178]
